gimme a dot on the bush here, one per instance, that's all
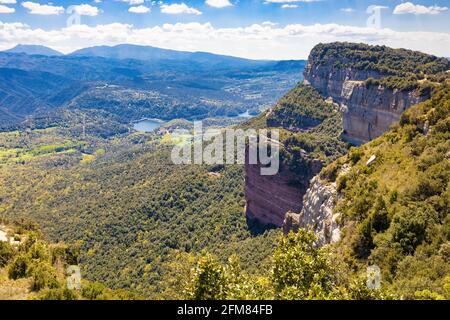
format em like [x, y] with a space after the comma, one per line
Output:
[209, 282]
[43, 276]
[330, 172]
[39, 251]
[409, 227]
[19, 267]
[92, 290]
[301, 270]
[341, 182]
[355, 154]
[6, 253]
[66, 253]
[58, 294]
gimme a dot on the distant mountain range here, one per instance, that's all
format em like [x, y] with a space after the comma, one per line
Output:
[137, 52]
[135, 82]
[34, 50]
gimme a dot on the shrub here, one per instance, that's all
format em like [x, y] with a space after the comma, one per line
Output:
[6, 253]
[39, 251]
[19, 267]
[58, 294]
[301, 270]
[92, 290]
[43, 276]
[341, 182]
[330, 172]
[209, 281]
[355, 154]
[409, 227]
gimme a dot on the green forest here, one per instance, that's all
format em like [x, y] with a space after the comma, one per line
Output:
[83, 188]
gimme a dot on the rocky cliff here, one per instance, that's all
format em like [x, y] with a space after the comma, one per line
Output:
[368, 109]
[345, 72]
[318, 213]
[372, 86]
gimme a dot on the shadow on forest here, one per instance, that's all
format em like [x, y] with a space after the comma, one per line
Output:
[256, 228]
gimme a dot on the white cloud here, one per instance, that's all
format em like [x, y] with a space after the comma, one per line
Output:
[8, 1]
[6, 9]
[256, 41]
[179, 8]
[289, 6]
[42, 9]
[290, 1]
[269, 23]
[218, 3]
[411, 8]
[85, 10]
[347, 10]
[139, 9]
[132, 2]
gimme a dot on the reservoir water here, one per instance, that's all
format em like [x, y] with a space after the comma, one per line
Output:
[246, 114]
[147, 125]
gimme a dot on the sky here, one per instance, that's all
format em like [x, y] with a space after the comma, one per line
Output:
[257, 29]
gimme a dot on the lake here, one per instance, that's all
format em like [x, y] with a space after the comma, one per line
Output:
[147, 125]
[246, 114]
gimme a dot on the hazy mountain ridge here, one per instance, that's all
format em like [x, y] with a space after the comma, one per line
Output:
[34, 50]
[145, 53]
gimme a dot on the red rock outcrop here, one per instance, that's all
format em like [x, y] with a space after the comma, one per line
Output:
[270, 197]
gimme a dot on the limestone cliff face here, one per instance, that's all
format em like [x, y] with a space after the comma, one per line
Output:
[268, 198]
[318, 212]
[368, 110]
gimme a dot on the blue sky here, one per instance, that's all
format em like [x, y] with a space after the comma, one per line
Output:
[237, 27]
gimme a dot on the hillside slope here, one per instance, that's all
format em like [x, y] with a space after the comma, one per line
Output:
[395, 211]
[31, 268]
[390, 198]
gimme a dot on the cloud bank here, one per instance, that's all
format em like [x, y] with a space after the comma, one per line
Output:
[42, 9]
[410, 8]
[179, 8]
[6, 9]
[258, 41]
[218, 3]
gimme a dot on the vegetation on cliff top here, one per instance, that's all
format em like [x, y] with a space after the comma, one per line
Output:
[381, 59]
[301, 108]
[308, 122]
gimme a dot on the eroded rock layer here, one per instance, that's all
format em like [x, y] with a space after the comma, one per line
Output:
[368, 109]
[268, 198]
